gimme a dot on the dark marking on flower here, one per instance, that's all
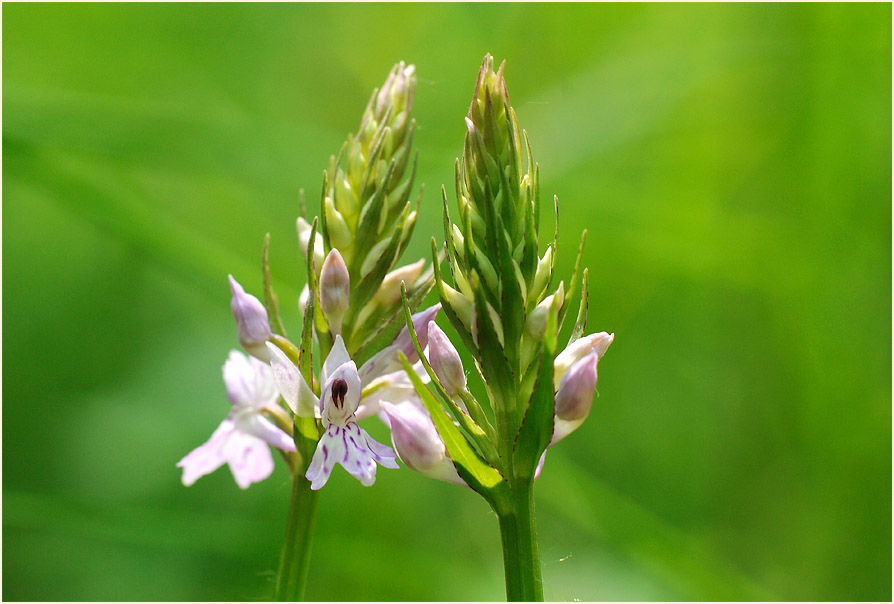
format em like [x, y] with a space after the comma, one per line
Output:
[325, 453]
[339, 390]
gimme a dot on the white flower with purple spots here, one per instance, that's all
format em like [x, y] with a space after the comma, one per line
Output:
[343, 442]
[241, 439]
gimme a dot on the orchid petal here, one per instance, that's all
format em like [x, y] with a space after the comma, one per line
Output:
[249, 459]
[354, 449]
[208, 456]
[297, 394]
[348, 373]
[261, 427]
[249, 382]
[338, 356]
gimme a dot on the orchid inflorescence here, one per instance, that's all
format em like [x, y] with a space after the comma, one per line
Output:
[382, 359]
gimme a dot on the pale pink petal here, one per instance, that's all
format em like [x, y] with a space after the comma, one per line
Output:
[249, 382]
[261, 427]
[207, 457]
[249, 459]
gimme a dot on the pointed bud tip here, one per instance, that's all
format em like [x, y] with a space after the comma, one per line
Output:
[335, 289]
[445, 360]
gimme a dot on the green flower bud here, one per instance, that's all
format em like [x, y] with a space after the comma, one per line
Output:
[339, 233]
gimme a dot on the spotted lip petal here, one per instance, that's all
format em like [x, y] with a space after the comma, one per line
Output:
[344, 442]
[354, 449]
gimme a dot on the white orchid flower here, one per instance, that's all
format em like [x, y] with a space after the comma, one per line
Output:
[242, 439]
[343, 442]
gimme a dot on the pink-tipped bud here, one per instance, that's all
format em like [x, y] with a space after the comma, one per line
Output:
[335, 289]
[252, 326]
[575, 395]
[445, 360]
[418, 443]
[595, 342]
[404, 343]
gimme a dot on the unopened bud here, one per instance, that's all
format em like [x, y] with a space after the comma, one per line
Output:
[445, 360]
[404, 343]
[462, 306]
[575, 395]
[345, 198]
[304, 239]
[595, 342]
[252, 326]
[418, 443]
[536, 323]
[541, 276]
[389, 292]
[395, 89]
[339, 233]
[335, 289]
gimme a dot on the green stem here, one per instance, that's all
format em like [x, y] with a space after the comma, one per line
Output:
[292, 577]
[521, 554]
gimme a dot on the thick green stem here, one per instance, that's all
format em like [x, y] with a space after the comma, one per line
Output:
[292, 577]
[521, 554]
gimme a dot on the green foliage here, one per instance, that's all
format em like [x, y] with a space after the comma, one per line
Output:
[732, 164]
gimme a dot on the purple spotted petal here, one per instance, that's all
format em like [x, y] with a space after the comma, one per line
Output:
[354, 449]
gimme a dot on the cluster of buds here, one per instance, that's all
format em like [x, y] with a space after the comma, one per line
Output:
[352, 308]
[366, 220]
[506, 309]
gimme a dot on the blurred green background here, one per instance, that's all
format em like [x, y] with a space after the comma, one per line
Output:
[731, 162]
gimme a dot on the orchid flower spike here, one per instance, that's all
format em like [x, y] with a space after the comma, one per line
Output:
[252, 325]
[241, 439]
[344, 442]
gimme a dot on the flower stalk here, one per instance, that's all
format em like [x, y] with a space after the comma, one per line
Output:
[291, 579]
[350, 309]
[508, 313]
